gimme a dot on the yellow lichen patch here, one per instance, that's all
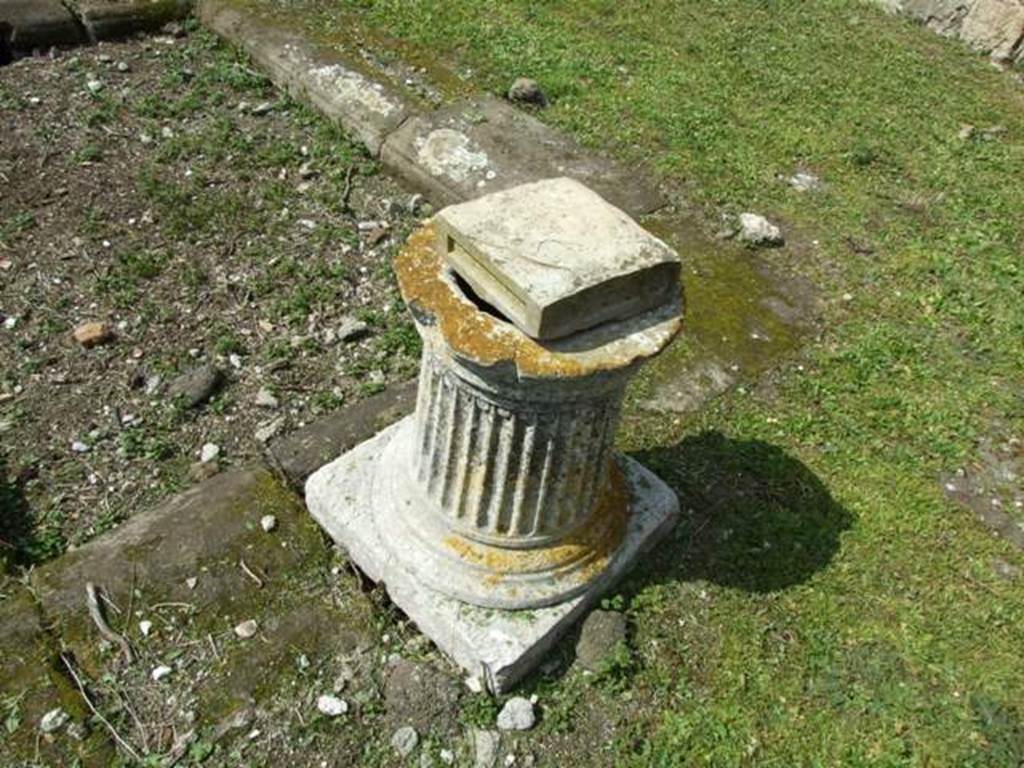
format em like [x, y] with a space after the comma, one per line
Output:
[484, 339]
[581, 555]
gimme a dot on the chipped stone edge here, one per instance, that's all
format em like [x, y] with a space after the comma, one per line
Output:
[74, 23]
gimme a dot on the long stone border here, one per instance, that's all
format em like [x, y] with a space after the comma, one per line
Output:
[461, 151]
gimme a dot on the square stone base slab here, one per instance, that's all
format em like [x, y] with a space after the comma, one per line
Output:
[498, 646]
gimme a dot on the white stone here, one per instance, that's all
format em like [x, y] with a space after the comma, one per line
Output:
[757, 230]
[447, 756]
[499, 646]
[79, 447]
[209, 452]
[160, 672]
[265, 399]
[485, 748]
[191, 582]
[331, 706]
[247, 629]
[517, 715]
[804, 182]
[53, 720]
[268, 523]
[404, 740]
[145, 626]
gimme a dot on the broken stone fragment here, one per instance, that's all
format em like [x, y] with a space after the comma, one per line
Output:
[404, 740]
[93, 333]
[757, 230]
[516, 715]
[247, 629]
[195, 387]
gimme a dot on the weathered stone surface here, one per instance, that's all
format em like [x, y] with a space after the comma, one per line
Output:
[499, 646]
[107, 19]
[516, 715]
[29, 670]
[202, 531]
[420, 696]
[995, 27]
[527, 91]
[602, 631]
[556, 258]
[28, 24]
[484, 145]
[335, 86]
[300, 453]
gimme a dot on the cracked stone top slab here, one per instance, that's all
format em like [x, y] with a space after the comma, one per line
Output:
[555, 258]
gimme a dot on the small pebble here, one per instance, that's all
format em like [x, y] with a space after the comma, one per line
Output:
[263, 108]
[191, 582]
[246, 629]
[209, 452]
[91, 334]
[404, 740]
[159, 673]
[53, 720]
[122, 66]
[331, 706]
[265, 399]
[79, 447]
[268, 523]
[144, 627]
[94, 85]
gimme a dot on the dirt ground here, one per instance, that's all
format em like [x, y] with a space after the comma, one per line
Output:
[162, 187]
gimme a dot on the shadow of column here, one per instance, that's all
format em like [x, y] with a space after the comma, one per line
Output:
[754, 518]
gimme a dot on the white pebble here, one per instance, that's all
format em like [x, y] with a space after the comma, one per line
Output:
[144, 627]
[246, 629]
[79, 447]
[53, 720]
[331, 706]
[209, 452]
[268, 523]
[159, 673]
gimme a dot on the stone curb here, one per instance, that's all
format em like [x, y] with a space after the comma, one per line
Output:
[299, 454]
[453, 154]
[31, 24]
[363, 107]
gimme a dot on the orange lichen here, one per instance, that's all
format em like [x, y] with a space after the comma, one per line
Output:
[475, 335]
[581, 555]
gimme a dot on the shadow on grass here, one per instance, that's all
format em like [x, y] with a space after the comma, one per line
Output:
[753, 517]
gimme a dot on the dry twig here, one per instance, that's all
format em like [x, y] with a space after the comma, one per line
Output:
[92, 708]
[250, 574]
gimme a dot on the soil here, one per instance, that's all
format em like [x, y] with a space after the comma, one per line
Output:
[162, 187]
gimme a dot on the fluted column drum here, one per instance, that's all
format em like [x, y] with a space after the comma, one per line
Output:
[511, 472]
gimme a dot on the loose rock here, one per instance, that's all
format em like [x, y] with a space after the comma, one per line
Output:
[92, 334]
[527, 91]
[145, 627]
[268, 523]
[195, 387]
[331, 706]
[265, 399]
[53, 720]
[404, 740]
[209, 452]
[247, 629]
[757, 230]
[485, 748]
[517, 715]
[601, 632]
[159, 673]
[263, 108]
[804, 182]
[352, 329]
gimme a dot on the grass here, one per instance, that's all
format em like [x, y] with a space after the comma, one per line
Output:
[824, 604]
